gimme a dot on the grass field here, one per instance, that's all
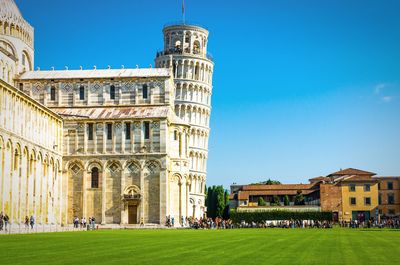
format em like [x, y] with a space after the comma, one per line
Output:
[241, 246]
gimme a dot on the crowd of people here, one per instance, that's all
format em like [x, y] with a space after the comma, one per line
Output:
[4, 221]
[219, 223]
[82, 223]
[384, 222]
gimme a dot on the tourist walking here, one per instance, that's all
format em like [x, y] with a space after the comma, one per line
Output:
[6, 219]
[26, 222]
[32, 221]
[1, 221]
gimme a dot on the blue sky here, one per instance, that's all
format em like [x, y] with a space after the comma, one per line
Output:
[301, 88]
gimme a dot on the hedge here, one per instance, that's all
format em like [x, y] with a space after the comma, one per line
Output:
[262, 216]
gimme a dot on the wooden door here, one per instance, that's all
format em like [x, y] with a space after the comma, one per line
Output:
[132, 214]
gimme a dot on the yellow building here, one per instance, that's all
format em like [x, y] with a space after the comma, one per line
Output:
[358, 198]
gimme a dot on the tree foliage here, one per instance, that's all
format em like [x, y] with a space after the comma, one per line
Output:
[276, 201]
[299, 199]
[217, 202]
[269, 182]
[262, 216]
[261, 201]
[286, 201]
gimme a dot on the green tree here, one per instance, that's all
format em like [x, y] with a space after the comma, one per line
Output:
[268, 182]
[299, 199]
[226, 209]
[286, 201]
[276, 201]
[220, 201]
[217, 202]
[261, 201]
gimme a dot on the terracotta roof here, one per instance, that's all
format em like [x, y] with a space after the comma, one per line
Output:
[278, 187]
[359, 178]
[244, 195]
[386, 177]
[318, 179]
[351, 171]
[113, 113]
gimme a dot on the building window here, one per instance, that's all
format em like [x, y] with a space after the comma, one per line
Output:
[109, 131]
[127, 131]
[112, 92]
[352, 187]
[391, 212]
[367, 201]
[390, 185]
[95, 178]
[379, 186]
[367, 187]
[52, 93]
[380, 199]
[90, 131]
[353, 201]
[81, 93]
[176, 135]
[390, 198]
[21, 86]
[145, 92]
[146, 126]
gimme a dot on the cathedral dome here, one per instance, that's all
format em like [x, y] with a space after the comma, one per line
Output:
[12, 22]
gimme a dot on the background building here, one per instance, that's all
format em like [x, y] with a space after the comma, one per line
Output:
[389, 196]
[124, 146]
[350, 194]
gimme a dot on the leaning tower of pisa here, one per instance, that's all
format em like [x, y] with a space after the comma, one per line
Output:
[185, 51]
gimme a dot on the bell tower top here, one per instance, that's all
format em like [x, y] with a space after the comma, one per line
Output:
[182, 38]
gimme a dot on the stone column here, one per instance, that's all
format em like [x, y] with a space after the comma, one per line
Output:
[114, 136]
[84, 188]
[123, 129]
[85, 138]
[76, 140]
[95, 138]
[104, 138]
[141, 215]
[132, 137]
[103, 196]
[187, 198]
[163, 195]
[88, 94]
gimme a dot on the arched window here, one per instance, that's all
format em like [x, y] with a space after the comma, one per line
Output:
[112, 92]
[95, 178]
[196, 47]
[81, 92]
[53, 93]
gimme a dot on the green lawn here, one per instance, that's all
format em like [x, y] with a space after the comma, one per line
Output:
[241, 246]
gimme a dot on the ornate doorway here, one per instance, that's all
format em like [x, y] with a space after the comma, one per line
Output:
[132, 214]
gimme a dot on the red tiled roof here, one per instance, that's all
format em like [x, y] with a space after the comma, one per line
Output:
[363, 178]
[277, 187]
[386, 177]
[318, 179]
[351, 171]
[244, 195]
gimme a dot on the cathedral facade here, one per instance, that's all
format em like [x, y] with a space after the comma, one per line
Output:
[121, 145]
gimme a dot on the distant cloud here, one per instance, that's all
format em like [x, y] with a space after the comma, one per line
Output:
[387, 92]
[387, 98]
[379, 88]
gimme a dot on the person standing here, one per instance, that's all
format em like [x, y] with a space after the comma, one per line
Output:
[26, 222]
[32, 221]
[6, 219]
[1, 221]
